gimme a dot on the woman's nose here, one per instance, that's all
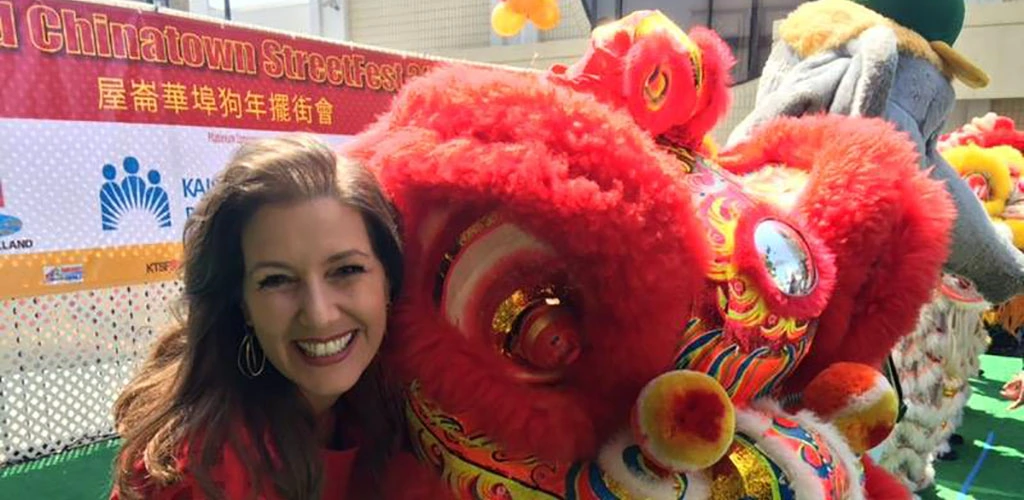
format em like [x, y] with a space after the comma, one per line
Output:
[319, 307]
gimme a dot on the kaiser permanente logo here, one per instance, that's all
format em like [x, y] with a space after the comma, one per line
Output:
[128, 199]
[193, 189]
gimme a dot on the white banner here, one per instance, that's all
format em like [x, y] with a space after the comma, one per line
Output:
[82, 185]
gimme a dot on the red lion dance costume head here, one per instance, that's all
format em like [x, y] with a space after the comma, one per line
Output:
[593, 311]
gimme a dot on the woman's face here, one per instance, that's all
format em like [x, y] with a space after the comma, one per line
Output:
[315, 294]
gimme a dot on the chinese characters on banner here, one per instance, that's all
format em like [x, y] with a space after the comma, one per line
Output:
[174, 97]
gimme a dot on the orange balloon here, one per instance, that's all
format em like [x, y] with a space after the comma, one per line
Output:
[505, 21]
[547, 16]
[524, 7]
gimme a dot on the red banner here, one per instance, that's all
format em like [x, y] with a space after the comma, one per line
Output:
[77, 61]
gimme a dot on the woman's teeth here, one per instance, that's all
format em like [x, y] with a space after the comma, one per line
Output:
[329, 348]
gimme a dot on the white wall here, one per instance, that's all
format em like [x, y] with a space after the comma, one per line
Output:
[294, 16]
[993, 38]
[290, 16]
[539, 56]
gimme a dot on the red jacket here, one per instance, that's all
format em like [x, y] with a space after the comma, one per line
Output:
[230, 476]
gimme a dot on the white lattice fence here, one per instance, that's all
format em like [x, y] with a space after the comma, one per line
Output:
[64, 358]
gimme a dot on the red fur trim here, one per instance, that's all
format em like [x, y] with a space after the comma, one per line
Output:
[750, 263]
[688, 117]
[660, 49]
[1003, 137]
[886, 221]
[469, 379]
[716, 96]
[1003, 133]
[470, 138]
[408, 479]
[879, 484]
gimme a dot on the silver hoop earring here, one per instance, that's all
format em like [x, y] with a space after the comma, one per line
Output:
[251, 359]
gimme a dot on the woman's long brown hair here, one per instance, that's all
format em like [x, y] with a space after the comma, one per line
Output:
[190, 393]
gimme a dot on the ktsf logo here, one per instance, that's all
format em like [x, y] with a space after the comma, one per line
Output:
[167, 266]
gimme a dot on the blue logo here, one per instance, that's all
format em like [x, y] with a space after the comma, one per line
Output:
[132, 194]
[9, 225]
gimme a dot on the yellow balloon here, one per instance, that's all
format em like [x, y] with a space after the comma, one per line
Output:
[506, 22]
[547, 16]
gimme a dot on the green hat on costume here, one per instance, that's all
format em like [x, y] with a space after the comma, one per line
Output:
[935, 20]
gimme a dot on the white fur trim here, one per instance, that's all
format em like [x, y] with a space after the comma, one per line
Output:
[698, 486]
[947, 344]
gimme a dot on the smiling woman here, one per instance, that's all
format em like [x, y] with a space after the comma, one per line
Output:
[290, 263]
[315, 300]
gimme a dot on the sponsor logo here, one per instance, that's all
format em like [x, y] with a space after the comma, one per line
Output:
[133, 194]
[193, 189]
[9, 226]
[62, 275]
[167, 266]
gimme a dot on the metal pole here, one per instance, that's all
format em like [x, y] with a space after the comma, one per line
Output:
[753, 43]
[588, 10]
[227, 9]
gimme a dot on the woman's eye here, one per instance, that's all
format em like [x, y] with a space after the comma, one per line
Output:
[274, 281]
[344, 271]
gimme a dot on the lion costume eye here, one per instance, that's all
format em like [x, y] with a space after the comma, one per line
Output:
[787, 258]
[500, 284]
[656, 88]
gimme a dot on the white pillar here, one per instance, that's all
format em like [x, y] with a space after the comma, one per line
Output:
[315, 26]
[201, 7]
[343, 19]
[334, 21]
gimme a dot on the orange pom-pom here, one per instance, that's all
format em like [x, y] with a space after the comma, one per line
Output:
[858, 400]
[505, 21]
[684, 421]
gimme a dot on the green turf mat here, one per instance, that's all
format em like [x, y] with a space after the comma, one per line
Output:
[1001, 474]
[79, 474]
